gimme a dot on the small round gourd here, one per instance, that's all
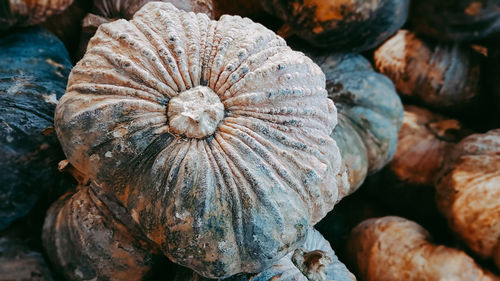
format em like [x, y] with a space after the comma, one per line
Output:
[29, 12]
[215, 135]
[468, 189]
[88, 235]
[393, 249]
[350, 26]
[34, 67]
[441, 76]
[315, 260]
[456, 20]
[370, 114]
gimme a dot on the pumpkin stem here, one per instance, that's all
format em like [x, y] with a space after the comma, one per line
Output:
[312, 264]
[66, 167]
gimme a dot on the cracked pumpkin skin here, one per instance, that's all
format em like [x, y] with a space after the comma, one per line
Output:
[235, 200]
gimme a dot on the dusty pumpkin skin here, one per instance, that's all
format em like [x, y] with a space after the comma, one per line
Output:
[314, 261]
[370, 115]
[393, 249]
[233, 201]
[346, 25]
[468, 189]
[29, 12]
[88, 235]
[456, 20]
[442, 76]
[34, 67]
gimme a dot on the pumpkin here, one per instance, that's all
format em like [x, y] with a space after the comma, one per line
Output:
[34, 67]
[425, 138]
[351, 26]
[111, 10]
[215, 135]
[31, 12]
[370, 114]
[441, 76]
[457, 20]
[393, 248]
[88, 235]
[18, 262]
[468, 188]
[315, 260]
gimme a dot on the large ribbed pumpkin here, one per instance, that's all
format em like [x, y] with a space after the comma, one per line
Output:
[214, 135]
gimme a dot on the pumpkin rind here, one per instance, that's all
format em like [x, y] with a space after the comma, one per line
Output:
[34, 67]
[87, 235]
[18, 262]
[347, 25]
[370, 114]
[29, 12]
[468, 189]
[254, 186]
[393, 248]
[442, 76]
[285, 269]
[456, 20]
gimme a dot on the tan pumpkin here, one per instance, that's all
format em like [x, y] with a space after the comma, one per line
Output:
[88, 235]
[424, 140]
[468, 189]
[29, 12]
[215, 135]
[393, 249]
[439, 75]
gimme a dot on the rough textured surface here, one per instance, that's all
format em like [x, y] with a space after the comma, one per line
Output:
[442, 76]
[34, 67]
[29, 12]
[456, 20]
[89, 236]
[346, 25]
[468, 189]
[425, 138]
[314, 248]
[370, 114]
[19, 263]
[393, 248]
[104, 11]
[237, 200]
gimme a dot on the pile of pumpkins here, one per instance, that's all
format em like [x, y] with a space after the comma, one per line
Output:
[235, 140]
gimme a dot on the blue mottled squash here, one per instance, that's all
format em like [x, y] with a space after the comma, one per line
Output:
[370, 115]
[34, 67]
